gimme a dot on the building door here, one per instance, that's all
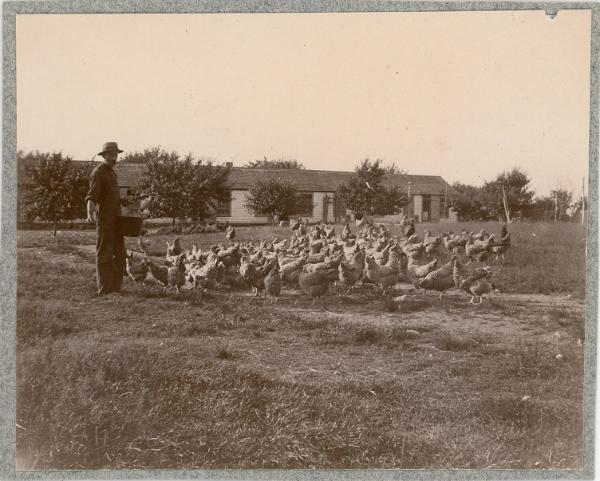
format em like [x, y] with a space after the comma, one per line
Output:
[326, 200]
[426, 217]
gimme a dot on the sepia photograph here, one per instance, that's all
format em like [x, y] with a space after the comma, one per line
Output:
[304, 240]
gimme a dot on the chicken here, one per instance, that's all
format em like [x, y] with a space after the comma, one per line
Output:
[473, 282]
[327, 264]
[229, 232]
[417, 271]
[280, 246]
[346, 231]
[382, 256]
[429, 239]
[290, 273]
[474, 251]
[254, 276]
[174, 248]
[329, 230]
[347, 275]
[501, 245]
[144, 245]
[159, 272]
[439, 280]
[200, 273]
[452, 244]
[431, 247]
[176, 274]
[413, 249]
[409, 229]
[316, 258]
[480, 236]
[230, 257]
[196, 252]
[357, 263]
[137, 271]
[384, 276]
[480, 287]
[273, 282]
[316, 284]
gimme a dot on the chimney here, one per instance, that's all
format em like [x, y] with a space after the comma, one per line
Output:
[228, 164]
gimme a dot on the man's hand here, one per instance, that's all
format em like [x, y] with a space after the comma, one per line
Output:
[92, 213]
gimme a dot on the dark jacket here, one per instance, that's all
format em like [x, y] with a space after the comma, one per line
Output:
[104, 191]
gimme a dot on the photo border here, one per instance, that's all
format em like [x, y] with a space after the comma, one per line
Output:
[8, 272]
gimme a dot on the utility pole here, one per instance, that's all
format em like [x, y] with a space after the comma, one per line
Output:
[555, 206]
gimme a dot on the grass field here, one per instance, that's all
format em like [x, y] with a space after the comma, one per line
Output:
[225, 380]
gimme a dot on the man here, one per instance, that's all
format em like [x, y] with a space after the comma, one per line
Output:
[103, 206]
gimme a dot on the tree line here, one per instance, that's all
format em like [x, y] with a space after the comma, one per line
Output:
[509, 194]
[190, 187]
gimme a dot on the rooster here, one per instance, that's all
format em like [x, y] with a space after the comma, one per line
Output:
[273, 282]
[176, 274]
[174, 248]
[137, 271]
[474, 283]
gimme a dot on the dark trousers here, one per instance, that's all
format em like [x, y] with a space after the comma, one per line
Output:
[110, 259]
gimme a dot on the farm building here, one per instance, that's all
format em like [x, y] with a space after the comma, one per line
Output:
[428, 193]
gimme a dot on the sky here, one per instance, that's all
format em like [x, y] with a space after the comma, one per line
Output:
[464, 95]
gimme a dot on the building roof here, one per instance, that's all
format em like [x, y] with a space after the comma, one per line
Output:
[243, 178]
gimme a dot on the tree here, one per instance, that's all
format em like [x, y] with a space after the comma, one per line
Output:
[556, 205]
[561, 199]
[393, 169]
[514, 184]
[177, 187]
[79, 183]
[271, 196]
[468, 202]
[274, 164]
[365, 194]
[57, 190]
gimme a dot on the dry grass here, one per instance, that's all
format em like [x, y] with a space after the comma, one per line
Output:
[219, 380]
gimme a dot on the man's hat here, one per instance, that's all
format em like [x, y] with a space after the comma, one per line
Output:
[110, 147]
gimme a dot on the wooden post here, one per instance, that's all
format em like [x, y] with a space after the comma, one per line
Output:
[504, 201]
[555, 206]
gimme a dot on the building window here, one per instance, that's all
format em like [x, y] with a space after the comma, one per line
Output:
[443, 213]
[224, 207]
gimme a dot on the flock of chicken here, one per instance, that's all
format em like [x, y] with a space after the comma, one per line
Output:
[316, 260]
